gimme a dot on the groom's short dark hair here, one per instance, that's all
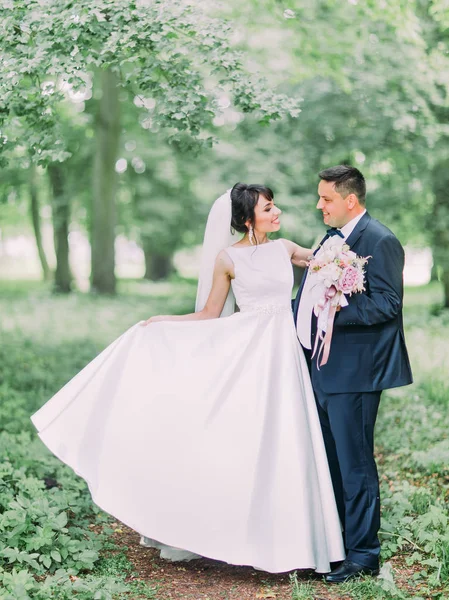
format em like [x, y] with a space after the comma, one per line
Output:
[348, 180]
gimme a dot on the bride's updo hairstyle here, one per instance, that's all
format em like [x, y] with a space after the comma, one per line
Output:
[244, 199]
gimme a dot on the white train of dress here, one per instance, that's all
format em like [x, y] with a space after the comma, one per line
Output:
[204, 435]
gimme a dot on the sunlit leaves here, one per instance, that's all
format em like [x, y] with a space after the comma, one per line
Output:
[170, 50]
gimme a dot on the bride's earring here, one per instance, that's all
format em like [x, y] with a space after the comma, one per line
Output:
[251, 235]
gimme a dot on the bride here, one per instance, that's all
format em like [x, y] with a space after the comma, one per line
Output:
[202, 432]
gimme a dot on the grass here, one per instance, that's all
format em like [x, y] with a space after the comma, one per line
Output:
[301, 591]
[60, 540]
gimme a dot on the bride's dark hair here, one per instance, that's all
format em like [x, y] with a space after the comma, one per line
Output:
[244, 198]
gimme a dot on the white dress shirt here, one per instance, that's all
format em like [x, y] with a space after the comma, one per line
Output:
[312, 292]
[349, 227]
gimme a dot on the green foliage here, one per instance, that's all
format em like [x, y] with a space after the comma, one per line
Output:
[170, 55]
[381, 588]
[412, 434]
[38, 528]
[63, 585]
[372, 76]
[417, 523]
[22, 390]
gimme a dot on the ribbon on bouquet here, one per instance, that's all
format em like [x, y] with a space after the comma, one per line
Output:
[332, 299]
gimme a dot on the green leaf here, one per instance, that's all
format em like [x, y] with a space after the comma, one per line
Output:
[46, 560]
[60, 521]
[55, 555]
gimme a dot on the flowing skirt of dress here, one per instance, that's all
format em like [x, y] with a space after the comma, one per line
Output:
[204, 435]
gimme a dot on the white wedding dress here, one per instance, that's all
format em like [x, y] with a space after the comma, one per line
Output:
[204, 435]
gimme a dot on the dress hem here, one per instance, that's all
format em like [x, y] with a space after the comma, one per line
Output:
[192, 549]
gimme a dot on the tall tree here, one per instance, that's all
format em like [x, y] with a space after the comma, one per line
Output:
[36, 219]
[369, 92]
[435, 32]
[440, 224]
[23, 189]
[61, 221]
[168, 54]
[107, 127]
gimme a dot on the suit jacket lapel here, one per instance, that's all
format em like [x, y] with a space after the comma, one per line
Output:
[358, 230]
[352, 239]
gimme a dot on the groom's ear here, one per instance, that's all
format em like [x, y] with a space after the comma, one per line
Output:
[352, 201]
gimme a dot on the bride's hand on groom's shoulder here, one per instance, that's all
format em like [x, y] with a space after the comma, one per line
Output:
[155, 319]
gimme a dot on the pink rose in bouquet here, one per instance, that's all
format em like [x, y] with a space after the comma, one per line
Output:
[348, 281]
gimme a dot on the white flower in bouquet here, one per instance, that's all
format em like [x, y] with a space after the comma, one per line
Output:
[330, 274]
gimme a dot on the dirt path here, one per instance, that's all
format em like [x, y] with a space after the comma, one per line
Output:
[205, 579]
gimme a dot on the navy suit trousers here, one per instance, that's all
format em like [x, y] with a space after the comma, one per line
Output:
[347, 421]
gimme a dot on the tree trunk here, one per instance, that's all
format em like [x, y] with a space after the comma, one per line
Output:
[157, 266]
[61, 220]
[36, 219]
[445, 278]
[434, 272]
[105, 186]
[440, 225]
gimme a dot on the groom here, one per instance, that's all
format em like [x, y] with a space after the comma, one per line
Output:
[367, 355]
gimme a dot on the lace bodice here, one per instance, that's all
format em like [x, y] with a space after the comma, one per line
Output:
[263, 277]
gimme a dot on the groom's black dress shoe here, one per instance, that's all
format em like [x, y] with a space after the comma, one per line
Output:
[347, 570]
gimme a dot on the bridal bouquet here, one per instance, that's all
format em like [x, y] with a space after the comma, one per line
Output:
[340, 272]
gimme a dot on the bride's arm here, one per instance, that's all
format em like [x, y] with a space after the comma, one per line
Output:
[223, 272]
[298, 255]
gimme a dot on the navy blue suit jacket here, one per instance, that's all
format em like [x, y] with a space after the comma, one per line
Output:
[368, 351]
